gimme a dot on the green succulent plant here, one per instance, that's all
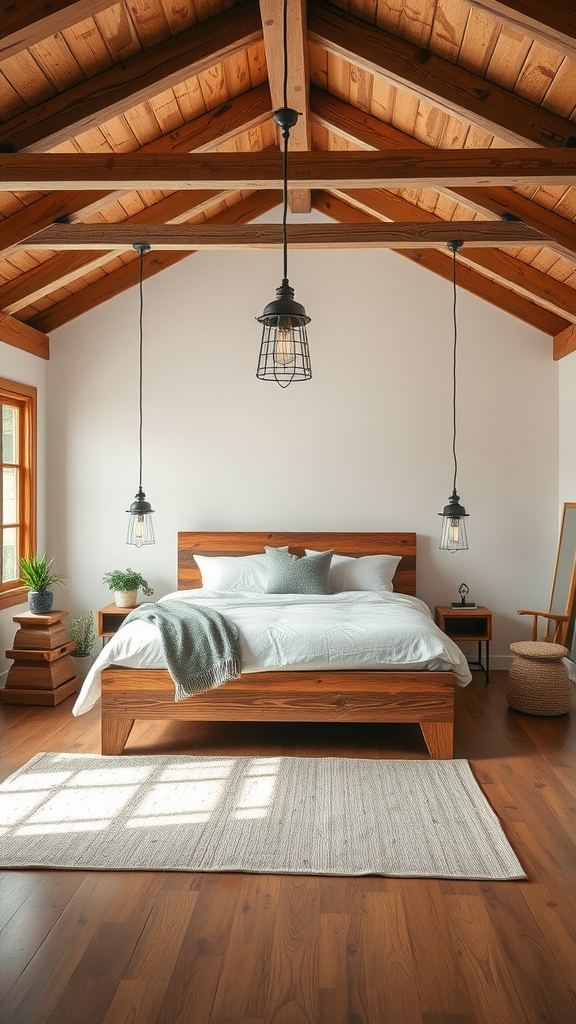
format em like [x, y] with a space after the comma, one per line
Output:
[38, 574]
[127, 579]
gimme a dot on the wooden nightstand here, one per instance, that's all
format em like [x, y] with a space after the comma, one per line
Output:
[43, 672]
[110, 619]
[470, 624]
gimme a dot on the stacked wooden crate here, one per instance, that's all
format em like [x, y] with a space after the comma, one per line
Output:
[43, 672]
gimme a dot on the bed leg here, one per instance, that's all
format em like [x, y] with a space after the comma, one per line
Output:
[439, 738]
[115, 732]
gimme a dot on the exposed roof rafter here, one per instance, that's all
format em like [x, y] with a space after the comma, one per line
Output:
[136, 79]
[447, 85]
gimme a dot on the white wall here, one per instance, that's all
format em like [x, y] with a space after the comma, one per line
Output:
[365, 445]
[26, 369]
[567, 444]
[567, 420]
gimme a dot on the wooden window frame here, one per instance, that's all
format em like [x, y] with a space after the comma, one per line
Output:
[26, 398]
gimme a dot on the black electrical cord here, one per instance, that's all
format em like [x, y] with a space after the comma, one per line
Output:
[286, 136]
[455, 322]
[141, 350]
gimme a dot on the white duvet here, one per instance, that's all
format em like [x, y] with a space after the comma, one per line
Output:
[349, 630]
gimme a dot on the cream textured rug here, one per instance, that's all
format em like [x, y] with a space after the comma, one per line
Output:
[294, 815]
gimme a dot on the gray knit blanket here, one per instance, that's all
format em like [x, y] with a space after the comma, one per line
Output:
[200, 646]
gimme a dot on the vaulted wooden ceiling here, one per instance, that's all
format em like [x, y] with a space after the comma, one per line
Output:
[152, 120]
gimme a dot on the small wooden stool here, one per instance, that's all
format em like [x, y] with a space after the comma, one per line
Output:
[538, 681]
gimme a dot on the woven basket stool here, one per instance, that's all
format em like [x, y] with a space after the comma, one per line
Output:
[538, 682]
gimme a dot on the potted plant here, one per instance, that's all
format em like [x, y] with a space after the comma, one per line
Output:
[126, 583]
[83, 634]
[39, 576]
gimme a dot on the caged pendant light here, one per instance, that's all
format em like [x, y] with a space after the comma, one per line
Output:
[454, 514]
[284, 353]
[140, 526]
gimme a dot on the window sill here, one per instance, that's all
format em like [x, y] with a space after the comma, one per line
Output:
[10, 598]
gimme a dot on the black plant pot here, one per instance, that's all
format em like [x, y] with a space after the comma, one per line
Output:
[40, 601]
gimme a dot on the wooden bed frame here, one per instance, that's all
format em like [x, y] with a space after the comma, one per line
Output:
[313, 696]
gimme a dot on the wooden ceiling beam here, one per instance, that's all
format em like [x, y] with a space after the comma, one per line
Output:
[138, 78]
[127, 276]
[297, 86]
[565, 342]
[360, 128]
[453, 88]
[65, 267]
[390, 169]
[556, 297]
[190, 237]
[441, 264]
[30, 339]
[25, 22]
[225, 122]
[551, 22]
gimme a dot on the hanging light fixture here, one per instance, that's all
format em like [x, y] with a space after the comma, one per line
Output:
[454, 514]
[284, 353]
[140, 526]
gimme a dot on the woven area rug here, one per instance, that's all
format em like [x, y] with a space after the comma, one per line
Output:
[293, 815]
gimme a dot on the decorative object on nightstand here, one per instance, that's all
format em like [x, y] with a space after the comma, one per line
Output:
[468, 625]
[38, 574]
[125, 584]
[42, 672]
[538, 681]
[463, 590]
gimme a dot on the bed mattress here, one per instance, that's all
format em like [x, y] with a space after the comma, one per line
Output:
[352, 630]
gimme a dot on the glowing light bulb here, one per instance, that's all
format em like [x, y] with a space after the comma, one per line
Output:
[454, 531]
[139, 531]
[284, 351]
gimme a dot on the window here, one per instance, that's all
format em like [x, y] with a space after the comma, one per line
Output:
[17, 486]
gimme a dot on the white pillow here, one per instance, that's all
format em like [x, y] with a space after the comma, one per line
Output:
[237, 572]
[370, 572]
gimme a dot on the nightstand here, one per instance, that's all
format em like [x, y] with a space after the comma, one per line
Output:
[43, 672]
[470, 624]
[110, 619]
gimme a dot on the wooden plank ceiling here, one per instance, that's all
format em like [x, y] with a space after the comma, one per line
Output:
[382, 86]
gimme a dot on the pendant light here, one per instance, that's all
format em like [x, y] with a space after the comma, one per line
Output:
[284, 353]
[140, 526]
[454, 514]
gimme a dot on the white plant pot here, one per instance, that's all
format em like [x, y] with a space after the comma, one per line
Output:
[82, 666]
[125, 598]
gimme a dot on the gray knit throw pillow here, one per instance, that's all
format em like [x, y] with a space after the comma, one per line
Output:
[288, 574]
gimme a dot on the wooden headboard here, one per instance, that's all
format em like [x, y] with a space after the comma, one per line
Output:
[354, 544]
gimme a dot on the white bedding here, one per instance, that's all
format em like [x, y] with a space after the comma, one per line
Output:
[349, 630]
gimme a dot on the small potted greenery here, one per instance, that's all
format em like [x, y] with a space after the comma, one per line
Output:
[83, 634]
[126, 584]
[38, 574]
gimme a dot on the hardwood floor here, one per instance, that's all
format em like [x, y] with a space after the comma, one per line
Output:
[150, 948]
